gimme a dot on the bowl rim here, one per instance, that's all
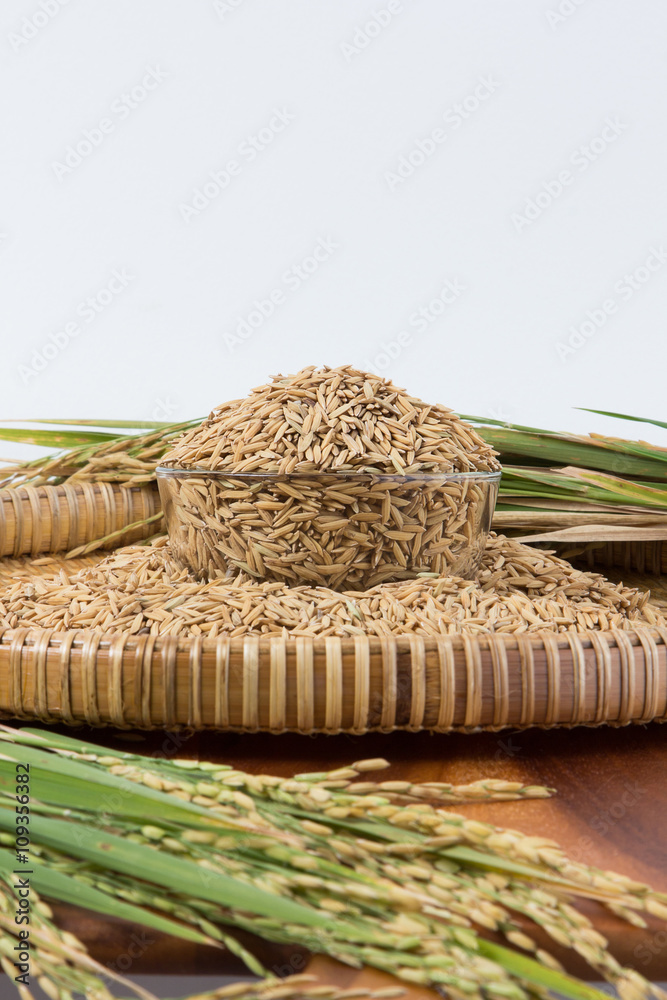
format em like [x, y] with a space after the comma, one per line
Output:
[178, 472]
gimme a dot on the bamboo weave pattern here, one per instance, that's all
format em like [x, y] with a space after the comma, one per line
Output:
[36, 519]
[335, 685]
[307, 685]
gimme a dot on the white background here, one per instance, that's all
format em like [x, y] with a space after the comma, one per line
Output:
[359, 98]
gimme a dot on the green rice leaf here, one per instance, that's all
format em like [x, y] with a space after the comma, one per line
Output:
[607, 455]
[530, 971]
[635, 448]
[551, 478]
[49, 739]
[151, 865]
[487, 421]
[53, 884]
[566, 484]
[54, 439]
[624, 416]
[138, 424]
[621, 487]
[69, 783]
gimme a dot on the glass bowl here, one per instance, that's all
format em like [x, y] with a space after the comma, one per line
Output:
[344, 530]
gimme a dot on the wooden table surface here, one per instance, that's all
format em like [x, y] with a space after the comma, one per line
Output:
[610, 812]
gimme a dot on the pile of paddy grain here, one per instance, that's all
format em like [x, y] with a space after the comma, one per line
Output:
[141, 589]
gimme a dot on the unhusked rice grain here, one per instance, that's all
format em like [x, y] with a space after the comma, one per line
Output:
[339, 419]
[142, 589]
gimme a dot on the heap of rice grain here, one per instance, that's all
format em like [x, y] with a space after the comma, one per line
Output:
[324, 419]
[331, 477]
[142, 589]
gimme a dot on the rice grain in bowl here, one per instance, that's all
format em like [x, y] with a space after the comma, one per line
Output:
[356, 529]
[331, 476]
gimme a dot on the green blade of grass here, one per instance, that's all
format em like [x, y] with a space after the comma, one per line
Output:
[530, 971]
[48, 739]
[538, 477]
[565, 484]
[488, 421]
[636, 492]
[604, 441]
[564, 450]
[543, 446]
[151, 865]
[54, 439]
[58, 885]
[138, 424]
[634, 447]
[623, 416]
[60, 781]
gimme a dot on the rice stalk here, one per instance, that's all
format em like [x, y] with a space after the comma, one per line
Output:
[58, 961]
[126, 459]
[62, 968]
[386, 874]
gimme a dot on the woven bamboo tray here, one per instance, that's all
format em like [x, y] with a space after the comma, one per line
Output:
[37, 519]
[308, 685]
